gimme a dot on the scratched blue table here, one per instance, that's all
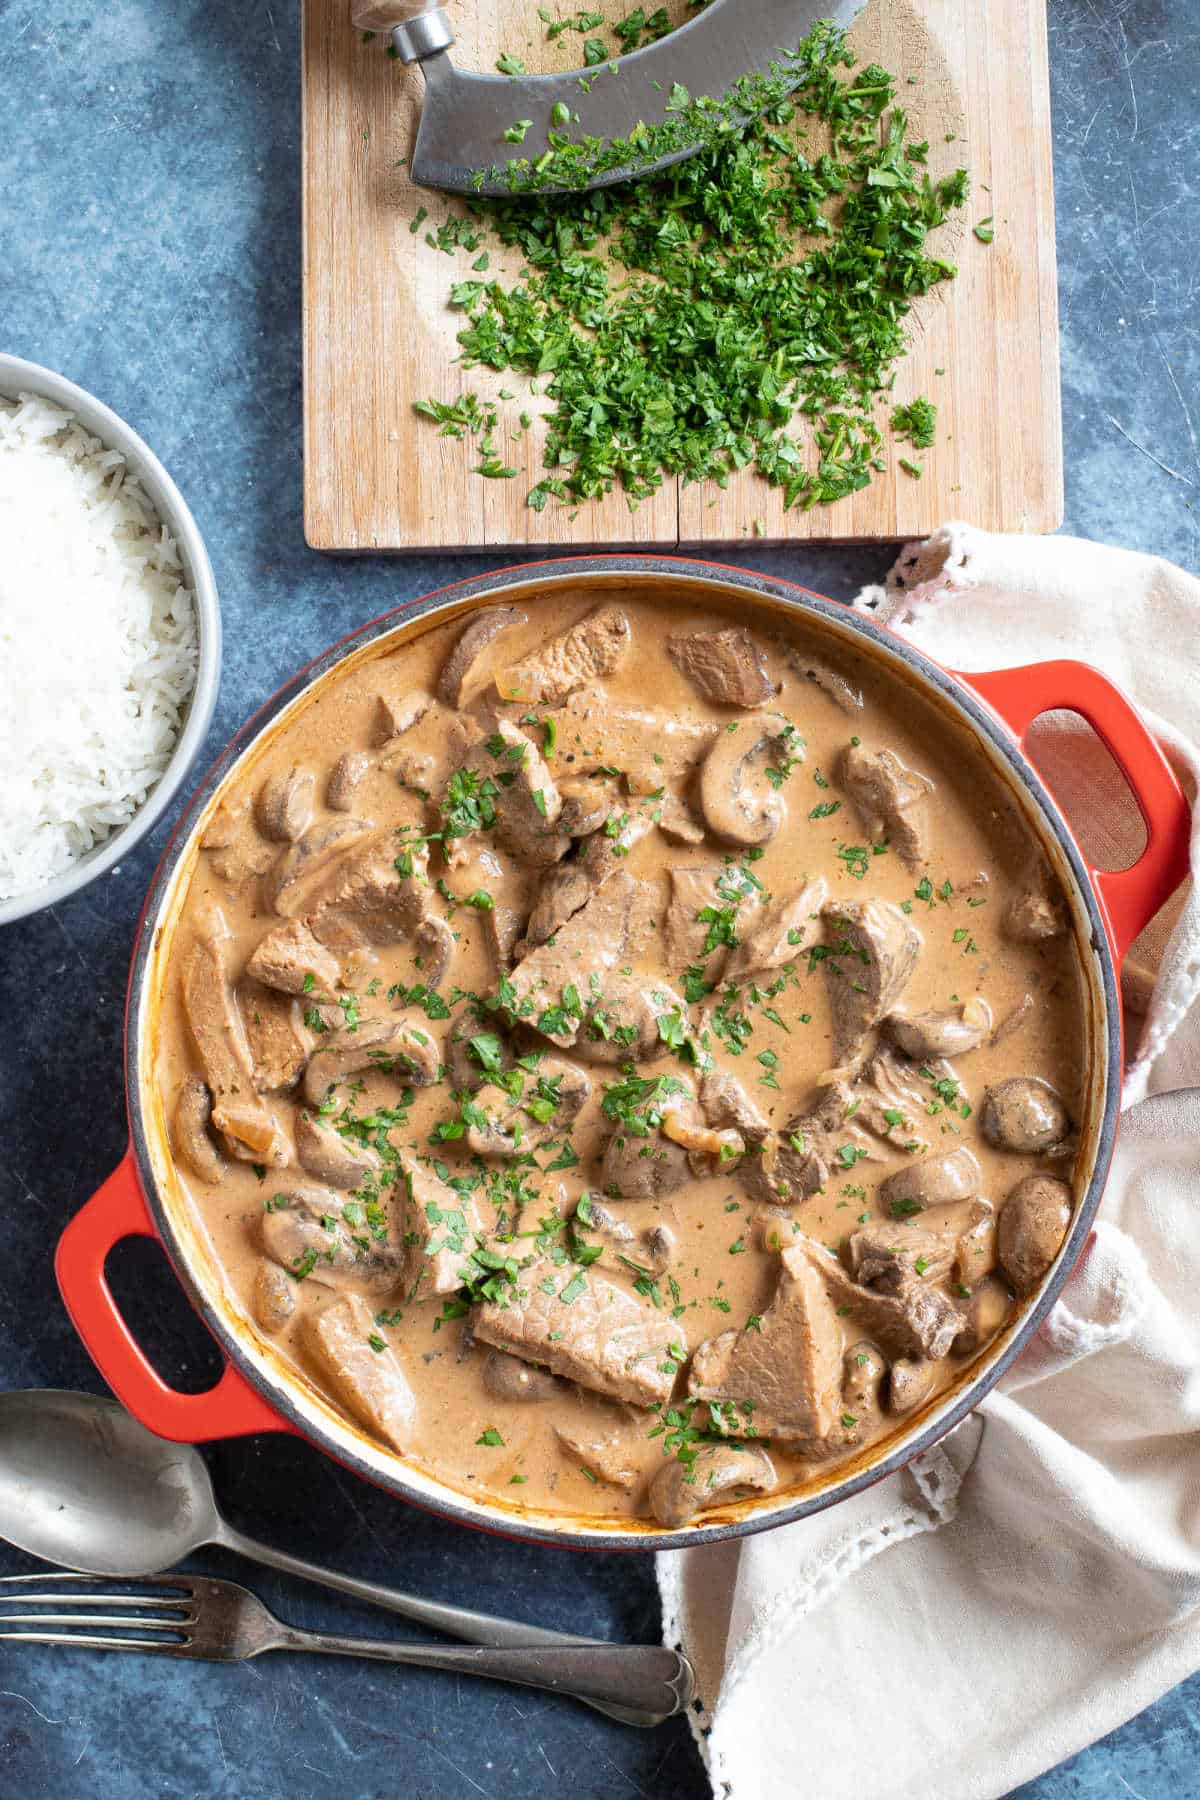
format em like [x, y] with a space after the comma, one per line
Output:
[149, 168]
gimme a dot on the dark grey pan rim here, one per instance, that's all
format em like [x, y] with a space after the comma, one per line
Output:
[278, 1391]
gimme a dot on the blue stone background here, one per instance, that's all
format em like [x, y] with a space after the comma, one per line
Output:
[149, 206]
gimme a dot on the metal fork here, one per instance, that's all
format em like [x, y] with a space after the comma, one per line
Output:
[218, 1621]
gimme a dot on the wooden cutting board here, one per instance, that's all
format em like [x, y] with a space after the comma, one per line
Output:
[378, 333]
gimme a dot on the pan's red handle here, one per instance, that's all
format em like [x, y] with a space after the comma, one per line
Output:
[115, 1211]
[1129, 897]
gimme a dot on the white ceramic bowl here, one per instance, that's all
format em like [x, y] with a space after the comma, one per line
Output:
[20, 377]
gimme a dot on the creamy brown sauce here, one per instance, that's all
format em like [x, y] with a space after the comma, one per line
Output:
[415, 1370]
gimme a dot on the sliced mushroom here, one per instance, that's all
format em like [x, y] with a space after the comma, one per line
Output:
[345, 778]
[719, 1474]
[190, 1134]
[909, 1384]
[433, 941]
[308, 858]
[863, 1373]
[676, 822]
[932, 1181]
[587, 801]
[323, 1152]
[736, 809]
[511, 1378]
[985, 1311]
[462, 664]
[285, 805]
[1033, 1225]
[401, 1046]
[519, 1129]
[273, 1299]
[842, 692]
[951, 1033]
[1024, 1115]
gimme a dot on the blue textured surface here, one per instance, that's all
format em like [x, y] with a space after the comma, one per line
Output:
[149, 168]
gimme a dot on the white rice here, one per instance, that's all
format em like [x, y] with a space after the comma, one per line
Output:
[97, 643]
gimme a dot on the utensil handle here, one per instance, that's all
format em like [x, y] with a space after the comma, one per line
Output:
[646, 1681]
[419, 28]
[1129, 898]
[118, 1210]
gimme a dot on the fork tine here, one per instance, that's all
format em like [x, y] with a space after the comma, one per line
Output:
[159, 1584]
[148, 1604]
[98, 1620]
[75, 1641]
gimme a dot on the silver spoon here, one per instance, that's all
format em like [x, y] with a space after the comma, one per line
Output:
[84, 1485]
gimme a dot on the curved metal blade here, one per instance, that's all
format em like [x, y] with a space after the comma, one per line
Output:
[460, 143]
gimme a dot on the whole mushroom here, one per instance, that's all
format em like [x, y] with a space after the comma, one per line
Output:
[1033, 1224]
[1023, 1114]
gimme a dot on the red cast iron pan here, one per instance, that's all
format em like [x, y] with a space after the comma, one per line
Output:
[256, 1393]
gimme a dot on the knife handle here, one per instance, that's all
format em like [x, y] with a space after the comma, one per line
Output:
[419, 28]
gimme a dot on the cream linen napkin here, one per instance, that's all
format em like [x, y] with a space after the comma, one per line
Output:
[1042, 1576]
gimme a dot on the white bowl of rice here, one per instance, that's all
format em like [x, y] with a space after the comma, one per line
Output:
[110, 638]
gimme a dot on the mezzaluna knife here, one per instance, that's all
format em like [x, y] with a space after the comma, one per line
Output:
[461, 144]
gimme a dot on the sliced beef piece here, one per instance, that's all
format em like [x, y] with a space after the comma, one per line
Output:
[891, 800]
[525, 1125]
[932, 1181]
[726, 1104]
[726, 667]
[740, 806]
[812, 1149]
[290, 959]
[324, 1153]
[588, 800]
[400, 1046]
[462, 667]
[273, 1297]
[327, 1237]
[591, 943]
[951, 1033]
[595, 734]
[304, 862]
[891, 1099]
[602, 1336]
[345, 778]
[781, 1378]
[397, 709]
[620, 1024]
[1033, 1225]
[285, 805]
[235, 848]
[840, 689]
[871, 962]
[720, 1474]
[367, 901]
[606, 1443]
[191, 1136]
[220, 1040]
[956, 1238]
[441, 1228]
[901, 1312]
[527, 806]
[370, 1382]
[594, 647]
[788, 929]
[568, 886]
[692, 916]
[1024, 1115]
[467, 1064]
[276, 1040]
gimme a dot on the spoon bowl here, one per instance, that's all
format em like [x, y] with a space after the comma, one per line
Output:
[83, 1484]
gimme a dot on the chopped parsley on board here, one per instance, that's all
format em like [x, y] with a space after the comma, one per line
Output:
[744, 308]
